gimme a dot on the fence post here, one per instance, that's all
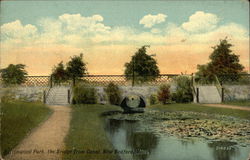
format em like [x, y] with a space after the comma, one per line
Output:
[222, 94]
[74, 81]
[51, 81]
[192, 79]
[44, 97]
[133, 73]
[197, 95]
[68, 96]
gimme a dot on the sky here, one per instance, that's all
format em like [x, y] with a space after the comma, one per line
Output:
[181, 34]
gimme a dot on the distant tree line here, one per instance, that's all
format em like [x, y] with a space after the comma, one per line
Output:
[141, 68]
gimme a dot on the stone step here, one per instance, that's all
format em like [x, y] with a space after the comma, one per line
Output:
[57, 103]
[58, 95]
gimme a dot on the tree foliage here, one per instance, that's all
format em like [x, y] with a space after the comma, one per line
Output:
[222, 62]
[76, 67]
[183, 93]
[164, 94]
[113, 93]
[59, 73]
[144, 66]
[14, 74]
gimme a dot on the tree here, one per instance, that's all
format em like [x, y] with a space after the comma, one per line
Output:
[14, 74]
[59, 73]
[164, 94]
[222, 62]
[142, 66]
[76, 67]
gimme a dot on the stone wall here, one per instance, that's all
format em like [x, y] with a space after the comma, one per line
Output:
[232, 92]
[236, 92]
[30, 94]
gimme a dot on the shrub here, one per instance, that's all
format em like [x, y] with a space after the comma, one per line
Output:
[164, 94]
[8, 96]
[183, 92]
[113, 93]
[153, 99]
[84, 94]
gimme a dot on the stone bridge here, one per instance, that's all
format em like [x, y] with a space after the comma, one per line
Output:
[143, 91]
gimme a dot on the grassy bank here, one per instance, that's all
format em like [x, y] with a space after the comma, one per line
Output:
[203, 109]
[243, 103]
[87, 133]
[17, 120]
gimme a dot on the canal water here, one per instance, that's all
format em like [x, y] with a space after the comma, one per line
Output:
[133, 143]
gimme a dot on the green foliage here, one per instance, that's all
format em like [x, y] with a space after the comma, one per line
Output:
[13, 74]
[144, 66]
[76, 67]
[86, 122]
[183, 92]
[164, 94]
[190, 107]
[84, 94]
[222, 62]
[8, 96]
[113, 93]
[153, 99]
[59, 73]
[17, 120]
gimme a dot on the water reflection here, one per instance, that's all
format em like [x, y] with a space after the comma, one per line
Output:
[144, 141]
[224, 150]
[126, 135]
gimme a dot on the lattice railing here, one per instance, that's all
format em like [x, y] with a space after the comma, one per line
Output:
[100, 80]
[230, 79]
[96, 80]
[33, 81]
[37, 81]
[239, 79]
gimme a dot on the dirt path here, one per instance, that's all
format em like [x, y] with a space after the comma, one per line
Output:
[227, 106]
[48, 136]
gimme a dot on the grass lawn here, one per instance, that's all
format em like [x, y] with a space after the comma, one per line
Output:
[87, 132]
[17, 120]
[243, 103]
[204, 109]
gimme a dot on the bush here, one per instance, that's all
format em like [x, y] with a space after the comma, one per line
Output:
[113, 93]
[153, 99]
[8, 95]
[164, 94]
[183, 92]
[84, 94]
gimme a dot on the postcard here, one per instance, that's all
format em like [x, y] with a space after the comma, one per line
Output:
[125, 80]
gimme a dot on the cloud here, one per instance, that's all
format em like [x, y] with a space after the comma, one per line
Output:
[80, 31]
[150, 20]
[15, 30]
[233, 31]
[75, 23]
[85, 32]
[201, 22]
[155, 30]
